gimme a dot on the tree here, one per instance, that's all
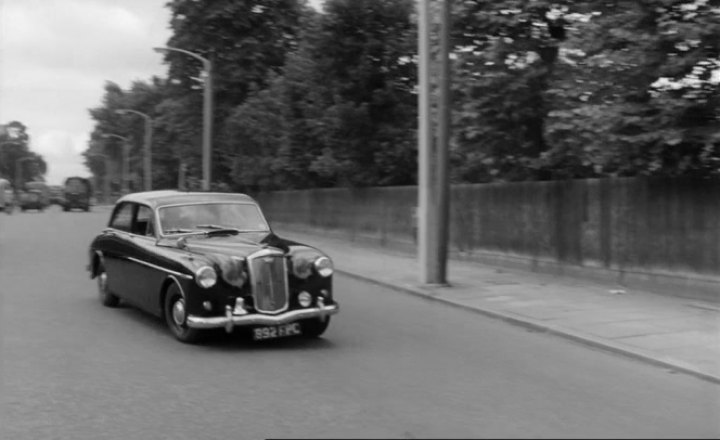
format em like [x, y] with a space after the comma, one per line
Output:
[647, 103]
[362, 109]
[613, 88]
[246, 41]
[342, 110]
[507, 53]
[14, 141]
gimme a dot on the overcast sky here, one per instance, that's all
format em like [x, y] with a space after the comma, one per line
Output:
[55, 57]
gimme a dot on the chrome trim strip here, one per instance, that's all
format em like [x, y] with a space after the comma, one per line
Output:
[153, 266]
[228, 321]
[175, 280]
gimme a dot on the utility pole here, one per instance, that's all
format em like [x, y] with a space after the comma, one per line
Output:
[207, 80]
[443, 142]
[106, 176]
[426, 203]
[182, 169]
[147, 146]
[126, 161]
[433, 186]
[208, 124]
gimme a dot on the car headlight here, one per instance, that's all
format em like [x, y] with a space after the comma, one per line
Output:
[302, 267]
[206, 277]
[323, 266]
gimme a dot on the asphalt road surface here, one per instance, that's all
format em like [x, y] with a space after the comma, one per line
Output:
[390, 366]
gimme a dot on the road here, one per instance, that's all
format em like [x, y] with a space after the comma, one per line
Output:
[390, 366]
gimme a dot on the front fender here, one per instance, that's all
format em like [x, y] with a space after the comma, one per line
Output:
[95, 258]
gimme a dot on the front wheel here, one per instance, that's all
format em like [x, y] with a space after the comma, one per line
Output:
[314, 328]
[107, 298]
[176, 316]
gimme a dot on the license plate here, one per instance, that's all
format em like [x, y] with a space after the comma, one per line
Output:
[276, 331]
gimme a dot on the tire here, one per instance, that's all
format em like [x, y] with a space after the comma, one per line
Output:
[107, 298]
[175, 316]
[314, 328]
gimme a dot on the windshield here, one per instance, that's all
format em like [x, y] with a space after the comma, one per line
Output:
[180, 219]
[75, 185]
[35, 186]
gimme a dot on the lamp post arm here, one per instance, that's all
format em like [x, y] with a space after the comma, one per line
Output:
[207, 112]
[205, 61]
[128, 110]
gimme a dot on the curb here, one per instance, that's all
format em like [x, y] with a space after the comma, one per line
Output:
[544, 328]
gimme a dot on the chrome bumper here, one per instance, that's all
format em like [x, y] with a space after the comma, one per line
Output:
[231, 320]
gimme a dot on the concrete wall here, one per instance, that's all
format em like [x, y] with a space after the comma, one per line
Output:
[634, 230]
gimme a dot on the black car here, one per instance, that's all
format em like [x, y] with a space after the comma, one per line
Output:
[210, 260]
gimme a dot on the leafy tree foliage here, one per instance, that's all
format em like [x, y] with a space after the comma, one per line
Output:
[342, 112]
[246, 41]
[144, 97]
[541, 90]
[625, 88]
[14, 146]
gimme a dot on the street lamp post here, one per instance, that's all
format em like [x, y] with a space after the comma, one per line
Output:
[207, 111]
[126, 160]
[106, 177]
[18, 170]
[147, 161]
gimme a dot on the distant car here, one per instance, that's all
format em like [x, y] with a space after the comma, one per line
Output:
[31, 199]
[210, 260]
[56, 195]
[36, 196]
[7, 197]
[77, 193]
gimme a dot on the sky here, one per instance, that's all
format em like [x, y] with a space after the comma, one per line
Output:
[57, 55]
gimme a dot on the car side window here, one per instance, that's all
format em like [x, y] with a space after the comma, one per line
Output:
[143, 221]
[122, 219]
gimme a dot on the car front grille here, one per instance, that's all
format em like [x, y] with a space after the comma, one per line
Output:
[268, 278]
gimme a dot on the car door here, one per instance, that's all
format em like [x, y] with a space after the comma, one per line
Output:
[148, 269]
[116, 247]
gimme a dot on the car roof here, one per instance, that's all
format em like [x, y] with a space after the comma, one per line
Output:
[160, 198]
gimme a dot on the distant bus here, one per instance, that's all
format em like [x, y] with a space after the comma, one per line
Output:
[77, 193]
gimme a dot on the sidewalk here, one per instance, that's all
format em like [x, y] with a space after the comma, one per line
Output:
[672, 332]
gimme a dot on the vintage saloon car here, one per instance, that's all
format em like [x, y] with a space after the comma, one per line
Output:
[210, 260]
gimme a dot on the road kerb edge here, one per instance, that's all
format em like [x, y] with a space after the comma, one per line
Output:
[529, 323]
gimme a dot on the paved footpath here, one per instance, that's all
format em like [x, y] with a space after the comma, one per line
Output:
[677, 333]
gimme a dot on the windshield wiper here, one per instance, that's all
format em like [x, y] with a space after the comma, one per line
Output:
[217, 229]
[178, 231]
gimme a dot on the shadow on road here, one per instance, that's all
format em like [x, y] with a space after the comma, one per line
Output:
[218, 339]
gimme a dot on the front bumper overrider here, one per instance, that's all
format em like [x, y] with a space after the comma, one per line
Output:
[231, 319]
